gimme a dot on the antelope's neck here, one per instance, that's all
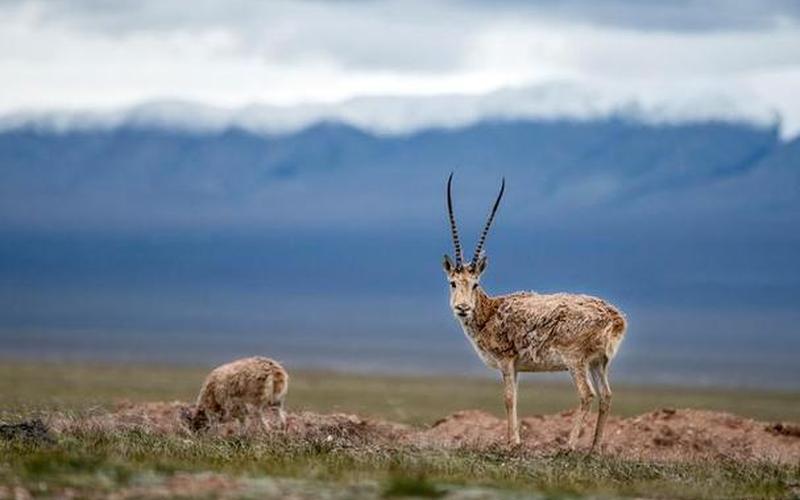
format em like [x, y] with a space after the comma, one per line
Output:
[485, 308]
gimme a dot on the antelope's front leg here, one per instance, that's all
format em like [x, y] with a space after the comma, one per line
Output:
[510, 392]
[580, 375]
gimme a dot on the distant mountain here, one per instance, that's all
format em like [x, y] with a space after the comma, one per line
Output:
[331, 173]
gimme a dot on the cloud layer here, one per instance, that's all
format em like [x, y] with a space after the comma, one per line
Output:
[739, 59]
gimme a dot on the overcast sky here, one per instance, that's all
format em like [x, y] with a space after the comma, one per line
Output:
[89, 54]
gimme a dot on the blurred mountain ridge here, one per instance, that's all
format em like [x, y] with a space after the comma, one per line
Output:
[329, 172]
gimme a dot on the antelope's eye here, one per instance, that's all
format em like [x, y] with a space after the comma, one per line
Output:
[474, 286]
[452, 284]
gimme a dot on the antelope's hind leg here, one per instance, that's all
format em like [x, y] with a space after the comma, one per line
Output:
[580, 375]
[270, 413]
[282, 417]
[600, 376]
[263, 418]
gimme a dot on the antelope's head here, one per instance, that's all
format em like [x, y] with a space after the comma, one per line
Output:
[464, 279]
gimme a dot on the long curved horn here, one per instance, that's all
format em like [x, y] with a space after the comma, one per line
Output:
[482, 239]
[453, 228]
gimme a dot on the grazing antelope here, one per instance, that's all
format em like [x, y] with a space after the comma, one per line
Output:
[240, 388]
[529, 332]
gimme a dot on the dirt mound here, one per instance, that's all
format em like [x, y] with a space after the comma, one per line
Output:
[661, 435]
[699, 435]
[477, 429]
[159, 418]
[169, 418]
[346, 430]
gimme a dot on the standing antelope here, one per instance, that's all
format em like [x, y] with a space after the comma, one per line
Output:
[529, 332]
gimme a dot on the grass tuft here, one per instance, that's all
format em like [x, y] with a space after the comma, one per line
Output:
[401, 485]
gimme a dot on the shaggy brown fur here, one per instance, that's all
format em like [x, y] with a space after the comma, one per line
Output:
[529, 332]
[241, 388]
[542, 331]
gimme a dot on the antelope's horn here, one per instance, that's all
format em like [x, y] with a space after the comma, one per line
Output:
[482, 239]
[453, 228]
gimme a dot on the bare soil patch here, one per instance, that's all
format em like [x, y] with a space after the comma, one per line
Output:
[662, 435]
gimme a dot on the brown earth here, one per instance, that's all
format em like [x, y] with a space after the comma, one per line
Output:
[661, 435]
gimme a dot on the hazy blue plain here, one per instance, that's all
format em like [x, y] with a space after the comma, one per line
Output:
[323, 247]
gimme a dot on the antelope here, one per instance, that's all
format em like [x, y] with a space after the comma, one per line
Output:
[531, 332]
[239, 389]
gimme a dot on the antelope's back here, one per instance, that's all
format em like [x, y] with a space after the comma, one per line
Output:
[579, 325]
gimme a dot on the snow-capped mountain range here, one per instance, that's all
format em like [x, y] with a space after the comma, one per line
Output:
[392, 115]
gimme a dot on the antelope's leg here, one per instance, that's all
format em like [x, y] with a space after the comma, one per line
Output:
[580, 375]
[510, 391]
[278, 412]
[242, 414]
[282, 418]
[266, 426]
[600, 372]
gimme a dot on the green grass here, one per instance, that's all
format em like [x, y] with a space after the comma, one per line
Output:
[90, 462]
[102, 463]
[403, 485]
[417, 400]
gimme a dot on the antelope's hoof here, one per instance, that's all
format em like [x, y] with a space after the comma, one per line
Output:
[596, 449]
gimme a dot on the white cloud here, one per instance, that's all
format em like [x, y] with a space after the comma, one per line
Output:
[404, 114]
[88, 55]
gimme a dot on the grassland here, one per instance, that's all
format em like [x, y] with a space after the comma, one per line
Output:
[93, 462]
[415, 400]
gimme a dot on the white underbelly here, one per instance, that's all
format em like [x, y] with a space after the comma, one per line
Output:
[546, 361]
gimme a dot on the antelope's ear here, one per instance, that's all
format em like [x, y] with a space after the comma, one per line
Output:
[447, 264]
[480, 266]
